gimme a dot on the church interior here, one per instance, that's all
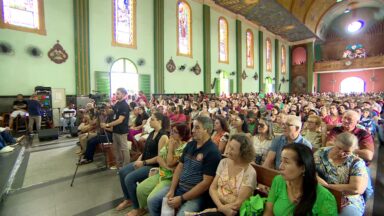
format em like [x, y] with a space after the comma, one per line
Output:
[70, 67]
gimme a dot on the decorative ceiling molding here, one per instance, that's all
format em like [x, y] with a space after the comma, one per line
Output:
[302, 41]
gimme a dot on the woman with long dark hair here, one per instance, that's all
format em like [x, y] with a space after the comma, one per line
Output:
[296, 191]
[138, 170]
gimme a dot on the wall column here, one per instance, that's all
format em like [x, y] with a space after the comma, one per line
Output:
[159, 46]
[277, 65]
[207, 48]
[261, 61]
[310, 65]
[239, 59]
[81, 18]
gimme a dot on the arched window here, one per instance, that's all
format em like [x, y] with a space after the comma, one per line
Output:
[223, 40]
[250, 49]
[124, 74]
[352, 84]
[23, 15]
[283, 60]
[269, 55]
[184, 29]
[124, 23]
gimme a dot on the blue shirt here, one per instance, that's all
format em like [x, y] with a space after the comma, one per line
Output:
[34, 108]
[198, 162]
[279, 142]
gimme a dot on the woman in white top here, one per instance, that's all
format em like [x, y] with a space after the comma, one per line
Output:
[262, 140]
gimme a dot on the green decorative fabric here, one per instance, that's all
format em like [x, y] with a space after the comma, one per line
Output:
[253, 206]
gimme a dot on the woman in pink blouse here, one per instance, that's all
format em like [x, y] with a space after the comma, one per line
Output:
[333, 119]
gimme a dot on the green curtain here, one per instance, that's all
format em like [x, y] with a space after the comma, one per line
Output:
[145, 84]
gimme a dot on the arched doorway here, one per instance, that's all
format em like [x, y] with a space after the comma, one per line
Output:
[124, 74]
[352, 84]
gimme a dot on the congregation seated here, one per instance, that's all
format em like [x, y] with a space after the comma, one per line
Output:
[137, 171]
[101, 136]
[366, 146]
[296, 191]
[339, 169]
[292, 127]
[194, 173]
[178, 115]
[140, 121]
[168, 158]
[19, 109]
[87, 130]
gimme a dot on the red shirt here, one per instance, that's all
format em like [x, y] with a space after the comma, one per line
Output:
[365, 139]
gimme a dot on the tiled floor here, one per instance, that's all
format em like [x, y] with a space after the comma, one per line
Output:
[42, 186]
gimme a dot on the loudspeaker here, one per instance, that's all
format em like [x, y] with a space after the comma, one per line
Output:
[49, 134]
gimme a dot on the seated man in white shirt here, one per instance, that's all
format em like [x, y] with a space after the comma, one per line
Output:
[68, 116]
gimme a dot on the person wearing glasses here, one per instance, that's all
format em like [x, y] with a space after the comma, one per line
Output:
[292, 127]
[339, 169]
[262, 140]
[313, 133]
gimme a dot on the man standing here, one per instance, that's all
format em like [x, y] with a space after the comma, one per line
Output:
[194, 173]
[19, 108]
[120, 128]
[34, 110]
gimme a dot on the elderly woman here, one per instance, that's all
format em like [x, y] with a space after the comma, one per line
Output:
[168, 159]
[235, 178]
[338, 168]
[296, 191]
[313, 132]
[221, 133]
[262, 140]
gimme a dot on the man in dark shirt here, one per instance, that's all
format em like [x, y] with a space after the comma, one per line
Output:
[194, 173]
[120, 129]
[34, 110]
[19, 108]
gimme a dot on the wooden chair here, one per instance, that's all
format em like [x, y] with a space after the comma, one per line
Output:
[265, 177]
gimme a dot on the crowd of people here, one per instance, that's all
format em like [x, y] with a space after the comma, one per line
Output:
[194, 153]
[197, 151]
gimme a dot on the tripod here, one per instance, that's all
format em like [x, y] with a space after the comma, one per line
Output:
[105, 155]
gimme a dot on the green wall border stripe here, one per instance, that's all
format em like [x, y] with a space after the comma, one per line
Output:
[310, 62]
[277, 64]
[159, 46]
[239, 59]
[82, 63]
[207, 48]
[261, 61]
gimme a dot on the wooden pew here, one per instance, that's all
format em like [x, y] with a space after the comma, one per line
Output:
[265, 177]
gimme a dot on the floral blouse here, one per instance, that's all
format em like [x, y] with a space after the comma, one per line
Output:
[229, 186]
[340, 174]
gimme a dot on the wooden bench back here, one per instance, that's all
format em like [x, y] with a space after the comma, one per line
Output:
[265, 177]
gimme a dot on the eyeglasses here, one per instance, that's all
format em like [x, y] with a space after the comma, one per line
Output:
[311, 122]
[288, 125]
[174, 131]
[261, 125]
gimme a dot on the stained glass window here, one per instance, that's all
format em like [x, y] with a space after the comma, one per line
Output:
[283, 60]
[124, 20]
[269, 55]
[184, 29]
[223, 40]
[23, 15]
[249, 49]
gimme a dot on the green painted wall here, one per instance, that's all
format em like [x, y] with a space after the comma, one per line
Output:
[100, 28]
[60, 26]
[22, 71]
[231, 66]
[183, 81]
[250, 84]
